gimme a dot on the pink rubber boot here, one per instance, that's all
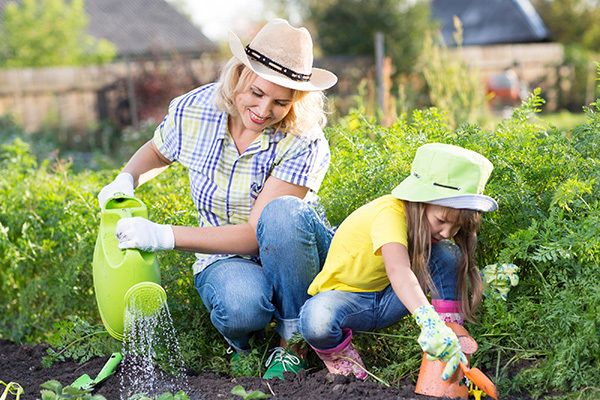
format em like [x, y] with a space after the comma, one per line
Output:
[448, 310]
[343, 359]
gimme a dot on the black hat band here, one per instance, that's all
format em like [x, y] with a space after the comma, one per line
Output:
[275, 66]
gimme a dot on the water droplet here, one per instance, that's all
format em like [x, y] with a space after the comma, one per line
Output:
[150, 341]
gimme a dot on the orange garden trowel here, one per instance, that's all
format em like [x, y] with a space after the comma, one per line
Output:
[480, 380]
[474, 375]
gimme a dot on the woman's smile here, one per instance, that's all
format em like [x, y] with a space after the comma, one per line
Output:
[257, 119]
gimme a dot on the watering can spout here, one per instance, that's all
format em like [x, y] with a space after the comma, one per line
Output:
[123, 278]
[146, 298]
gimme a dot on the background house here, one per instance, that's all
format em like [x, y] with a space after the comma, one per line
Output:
[145, 28]
[508, 42]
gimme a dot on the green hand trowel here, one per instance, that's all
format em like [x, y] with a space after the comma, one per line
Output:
[123, 277]
[85, 382]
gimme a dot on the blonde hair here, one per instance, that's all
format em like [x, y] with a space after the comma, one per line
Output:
[470, 287]
[306, 113]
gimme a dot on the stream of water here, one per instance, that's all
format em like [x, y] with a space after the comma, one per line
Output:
[152, 363]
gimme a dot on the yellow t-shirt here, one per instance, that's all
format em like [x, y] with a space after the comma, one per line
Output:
[354, 262]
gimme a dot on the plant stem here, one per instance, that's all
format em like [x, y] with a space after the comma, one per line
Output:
[385, 334]
[79, 340]
[378, 379]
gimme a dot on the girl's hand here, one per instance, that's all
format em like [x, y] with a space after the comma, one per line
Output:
[438, 341]
[139, 233]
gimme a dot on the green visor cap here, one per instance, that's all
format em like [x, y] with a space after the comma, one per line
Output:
[449, 176]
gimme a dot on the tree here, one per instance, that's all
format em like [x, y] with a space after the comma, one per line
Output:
[348, 27]
[41, 33]
[574, 22]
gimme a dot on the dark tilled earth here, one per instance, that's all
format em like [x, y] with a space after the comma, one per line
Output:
[22, 364]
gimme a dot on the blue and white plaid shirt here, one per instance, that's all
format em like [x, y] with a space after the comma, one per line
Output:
[224, 184]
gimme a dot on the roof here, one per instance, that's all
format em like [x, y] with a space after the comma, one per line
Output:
[143, 27]
[490, 21]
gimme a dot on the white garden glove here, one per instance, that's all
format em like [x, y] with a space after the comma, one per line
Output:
[140, 233]
[438, 340]
[123, 183]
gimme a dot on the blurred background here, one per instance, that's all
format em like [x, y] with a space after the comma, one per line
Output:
[93, 78]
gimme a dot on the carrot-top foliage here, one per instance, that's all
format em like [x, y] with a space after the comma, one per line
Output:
[543, 340]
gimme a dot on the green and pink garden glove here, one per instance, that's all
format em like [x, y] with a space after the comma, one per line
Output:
[438, 341]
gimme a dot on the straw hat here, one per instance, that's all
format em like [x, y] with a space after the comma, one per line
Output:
[449, 176]
[283, 55]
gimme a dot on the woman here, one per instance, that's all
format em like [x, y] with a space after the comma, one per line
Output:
[247, 140]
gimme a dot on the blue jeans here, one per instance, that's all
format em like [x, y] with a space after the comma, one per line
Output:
[323, 317]
[243, 296]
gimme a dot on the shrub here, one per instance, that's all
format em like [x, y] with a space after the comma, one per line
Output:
[542, 340]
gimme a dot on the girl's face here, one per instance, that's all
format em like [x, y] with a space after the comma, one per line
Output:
[442, 222]
[262, 104]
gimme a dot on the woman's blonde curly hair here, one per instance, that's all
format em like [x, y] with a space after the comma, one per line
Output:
[306, 113]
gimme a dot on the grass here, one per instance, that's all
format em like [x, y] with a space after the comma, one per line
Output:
[563, 120]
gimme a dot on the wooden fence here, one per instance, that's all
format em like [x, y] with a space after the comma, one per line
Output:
[77, 98]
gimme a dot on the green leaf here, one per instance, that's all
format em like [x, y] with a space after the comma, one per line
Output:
[49, 395]
[181, 395]
[239, 390]
[52, 385]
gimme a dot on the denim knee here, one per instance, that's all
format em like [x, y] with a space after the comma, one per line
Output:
[237, 315]
[279, 216]
[318, 324]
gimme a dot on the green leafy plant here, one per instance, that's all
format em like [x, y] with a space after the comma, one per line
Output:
[78, 340]
[54, 390]
[239, 390]
[181, 395]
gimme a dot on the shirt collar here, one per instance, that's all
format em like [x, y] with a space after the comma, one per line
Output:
[223, 131]
[266, 138]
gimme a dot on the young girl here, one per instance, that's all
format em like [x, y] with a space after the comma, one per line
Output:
[389, 253]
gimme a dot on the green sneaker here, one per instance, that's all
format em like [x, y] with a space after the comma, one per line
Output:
[280, 361]
[242, 364]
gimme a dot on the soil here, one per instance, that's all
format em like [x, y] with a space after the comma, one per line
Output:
[22, 364]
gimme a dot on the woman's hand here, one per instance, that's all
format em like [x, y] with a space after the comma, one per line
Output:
[140, 233]
[144, 165]
[438, 341]
[123, 184]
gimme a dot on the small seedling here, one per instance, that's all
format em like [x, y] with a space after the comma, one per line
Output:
[54, 390]
[239, 390]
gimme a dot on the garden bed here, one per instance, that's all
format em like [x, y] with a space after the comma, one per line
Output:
[22, 364]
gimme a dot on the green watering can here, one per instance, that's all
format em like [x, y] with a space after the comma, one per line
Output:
[123, 277]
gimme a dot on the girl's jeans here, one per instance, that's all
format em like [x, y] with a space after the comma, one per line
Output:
[324, 316]
[242, 296]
